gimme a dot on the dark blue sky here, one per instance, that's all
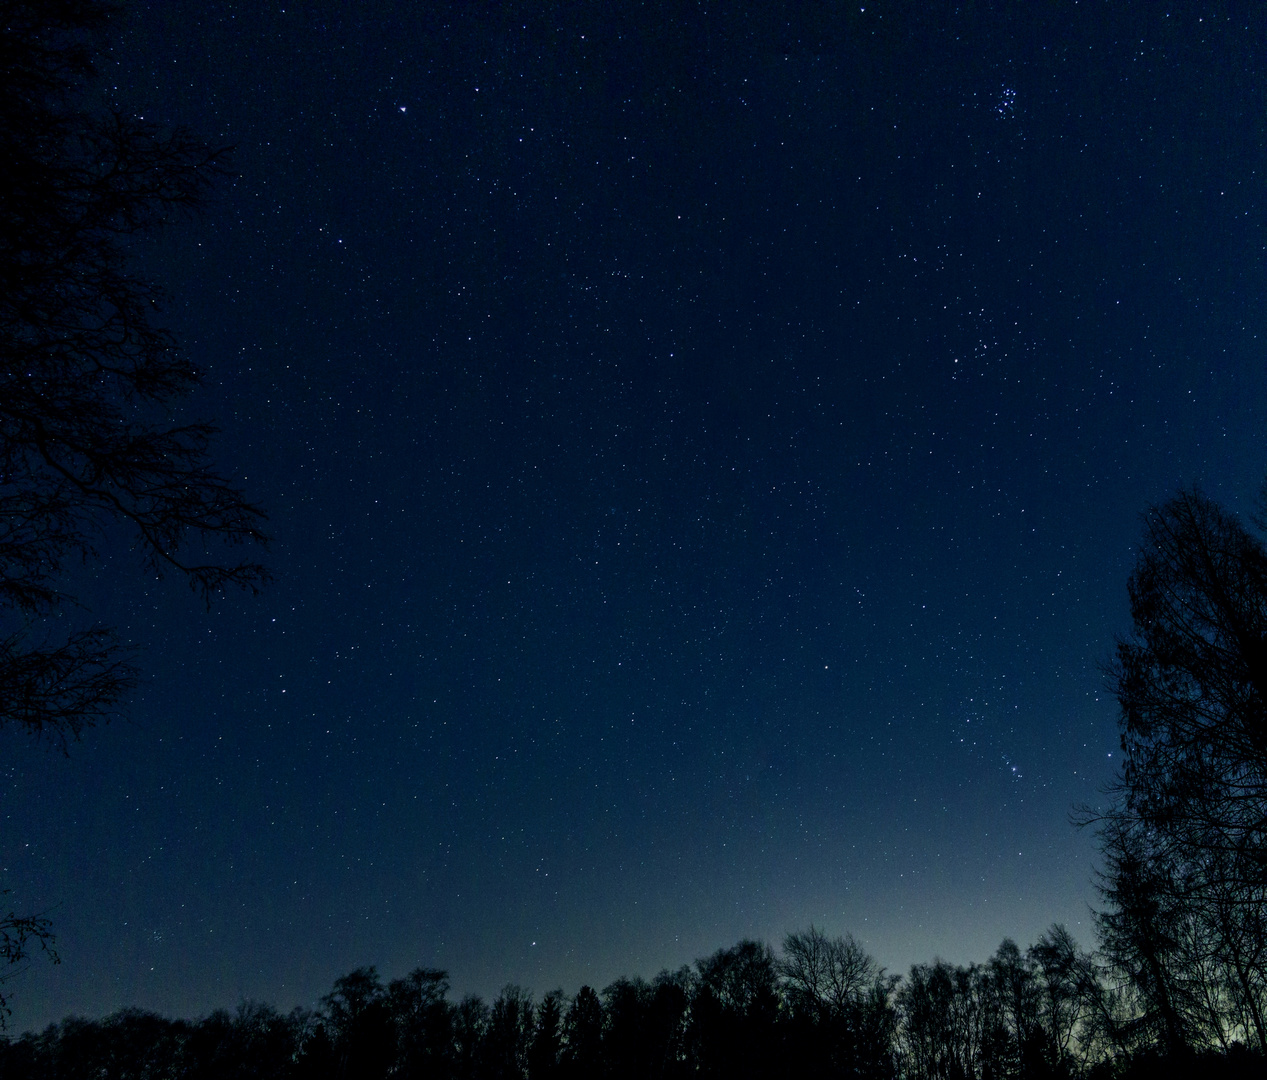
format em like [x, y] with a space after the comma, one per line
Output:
[705, 452]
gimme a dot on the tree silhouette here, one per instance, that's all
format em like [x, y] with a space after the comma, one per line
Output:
[643, 1029]
[1016, 994]
[1185, 842]
[930, 1046]
[668, 1010]
[509, 1036]
[1191, 682]
[1068, 987]
[826, 976]
[627, 1038]
[254, 1043]
[359, 1022]
[1141, 936]
[470, 1028]
[1025, 1014]
[583, 1036]
[543, 1054]
[423, 1020]
[735, 1010]
[839, 1000]
[88, 378]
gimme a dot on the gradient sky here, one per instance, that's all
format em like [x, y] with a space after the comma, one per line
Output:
[705, 453]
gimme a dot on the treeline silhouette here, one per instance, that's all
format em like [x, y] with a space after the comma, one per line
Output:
[820, 1008]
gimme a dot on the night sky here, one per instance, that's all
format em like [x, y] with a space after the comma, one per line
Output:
[705, 452]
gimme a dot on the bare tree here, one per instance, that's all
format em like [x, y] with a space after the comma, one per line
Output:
[822, 974]
[88, 377]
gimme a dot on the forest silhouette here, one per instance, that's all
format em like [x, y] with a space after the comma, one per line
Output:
[820, 1007]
